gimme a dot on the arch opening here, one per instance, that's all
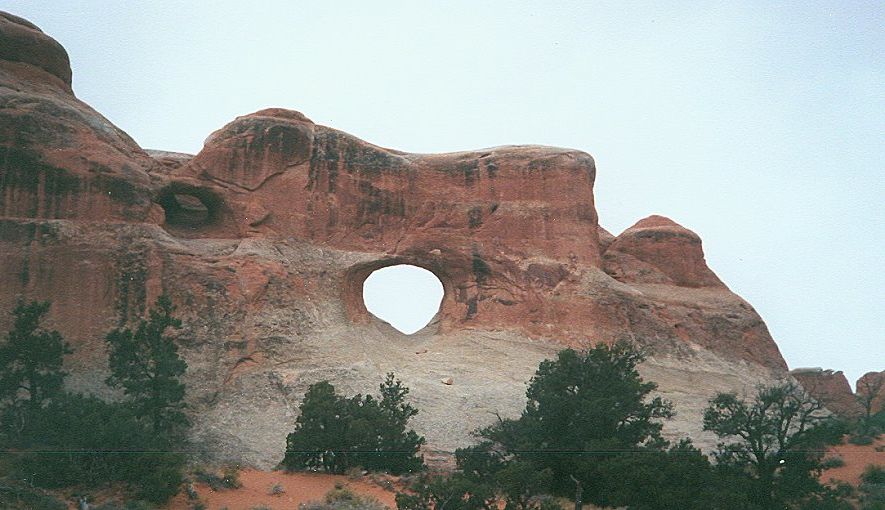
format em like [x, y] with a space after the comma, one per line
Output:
[189, 207]
[405, 296]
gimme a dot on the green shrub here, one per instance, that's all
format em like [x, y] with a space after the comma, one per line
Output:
[64, 440]
[832, 462]
[872, 488]
[783, 463]
[861, 440]
[342, 498]
[83, 441]
[229, 478]
[145, 363]
[583, 410]
[455, 492]
[335, 433]
[873, 474]
[31, 361]
[17, 496]
[128, 505]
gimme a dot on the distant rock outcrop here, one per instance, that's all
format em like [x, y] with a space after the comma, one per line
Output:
[264, 238]
[830, 387]
[871, 388]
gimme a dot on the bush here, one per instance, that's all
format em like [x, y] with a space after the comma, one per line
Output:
[861, 440]
[872, 488]
[455, 492]
[866, 428]
[64, 440]
[832, 462]
[342, 498]
[679, 478]
[583, 409]
[335, 433]
[229, 478]
[17, 496]
[128, 505]
[84, 441]
[591, 423]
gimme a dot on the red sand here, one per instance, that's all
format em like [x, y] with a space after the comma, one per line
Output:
[303, 487]
[299, 488]
[856, 458]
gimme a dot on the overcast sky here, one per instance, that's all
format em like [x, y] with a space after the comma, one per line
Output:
[758, 126]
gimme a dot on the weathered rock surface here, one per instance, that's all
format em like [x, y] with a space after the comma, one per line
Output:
[59, 158]
[872, 385]
[25, 43]
[265, 237]
[830, 387]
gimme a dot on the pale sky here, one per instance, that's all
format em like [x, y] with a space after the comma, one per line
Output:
[405, 296]
[758, 126]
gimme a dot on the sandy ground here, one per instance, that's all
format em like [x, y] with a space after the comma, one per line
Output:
[856, 458]
[303, 487]
[299, 488]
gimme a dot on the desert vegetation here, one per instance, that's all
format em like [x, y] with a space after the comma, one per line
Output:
[870, 424]
[590, 433]
[334, 433]
[57, 439]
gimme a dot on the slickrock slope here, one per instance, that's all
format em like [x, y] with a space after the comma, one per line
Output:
[265, 237]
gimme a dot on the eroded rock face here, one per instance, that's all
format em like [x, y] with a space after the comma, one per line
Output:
[831, 388]
[872, 385]
[59, 158]
[264, 238]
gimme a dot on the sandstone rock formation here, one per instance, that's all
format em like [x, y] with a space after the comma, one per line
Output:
[830, 388]
[871, 387]
[265, 237]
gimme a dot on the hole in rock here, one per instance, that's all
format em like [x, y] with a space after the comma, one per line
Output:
[185, 210]
[406, 297]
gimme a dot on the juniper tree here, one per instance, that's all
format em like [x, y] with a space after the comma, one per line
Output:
[777, 439]
[583, 409]
[334, 433]
[30, 361]
[146, 364]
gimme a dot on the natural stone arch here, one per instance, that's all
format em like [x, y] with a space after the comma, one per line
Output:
[406, 297]
[356, 275]
[297, 216]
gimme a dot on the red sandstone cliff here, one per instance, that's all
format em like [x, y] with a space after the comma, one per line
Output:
[265, 237]
[871, 388]
[830, 388]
